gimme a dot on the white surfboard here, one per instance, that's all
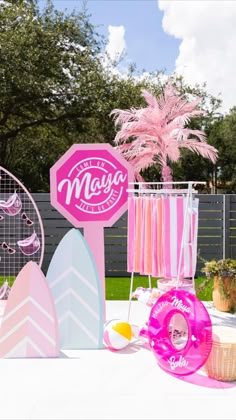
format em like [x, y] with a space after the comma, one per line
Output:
[77, 292]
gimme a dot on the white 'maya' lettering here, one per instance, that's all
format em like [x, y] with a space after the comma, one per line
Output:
[92, 186]
[160, 306]
[179, 305]
[182, 362]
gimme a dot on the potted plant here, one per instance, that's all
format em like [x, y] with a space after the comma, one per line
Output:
[223, 273]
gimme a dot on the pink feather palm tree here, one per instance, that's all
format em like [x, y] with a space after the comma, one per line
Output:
[159, 132]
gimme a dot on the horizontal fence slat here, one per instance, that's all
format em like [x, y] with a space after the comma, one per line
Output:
[115, 240]
[119, 265]
[60, 223]
[210, 223]
[116, 231]
[115, 259]
[211, 214]
[115, 249]
[210, 242]
[206, 207]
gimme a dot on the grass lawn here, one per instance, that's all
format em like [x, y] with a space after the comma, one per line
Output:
[10, 280]
[117, 288]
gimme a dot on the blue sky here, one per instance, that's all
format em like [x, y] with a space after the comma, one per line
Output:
[147, 44]
[193, 38]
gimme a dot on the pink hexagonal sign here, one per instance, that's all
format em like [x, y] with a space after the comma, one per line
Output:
[89, 188]
[89, 184]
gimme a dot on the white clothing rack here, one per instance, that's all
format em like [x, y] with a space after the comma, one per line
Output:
[142, 189]
[153, 191]
[169, 183]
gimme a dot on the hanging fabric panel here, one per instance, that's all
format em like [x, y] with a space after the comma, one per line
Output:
[154, 238]
[131, 234]
[142, 241]
[180, 229]
[156, 224]
[155, 243]
[160, 237]
[148, 235]
[190, 248]
[138, 240]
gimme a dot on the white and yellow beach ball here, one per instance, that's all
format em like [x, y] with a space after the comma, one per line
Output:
[117, 334]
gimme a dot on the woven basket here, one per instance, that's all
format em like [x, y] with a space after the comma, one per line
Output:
[224, 303]
[221, 364]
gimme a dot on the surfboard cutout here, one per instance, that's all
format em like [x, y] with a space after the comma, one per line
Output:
[77, 291]
[29, 327]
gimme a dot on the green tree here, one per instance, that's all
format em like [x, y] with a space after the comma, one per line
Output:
[47, 62]
[55, 91]
[191, 166]
[223, 135]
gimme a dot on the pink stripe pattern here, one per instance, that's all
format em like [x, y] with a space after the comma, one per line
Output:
[138, 235]
[154, 238]
[179, 232]
[131, 234]
[162, 236]
[148, 227]
[29, 326]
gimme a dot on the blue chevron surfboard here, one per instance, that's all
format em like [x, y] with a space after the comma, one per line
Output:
[77, 292]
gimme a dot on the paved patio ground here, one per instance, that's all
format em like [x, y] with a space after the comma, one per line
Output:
[100, 384]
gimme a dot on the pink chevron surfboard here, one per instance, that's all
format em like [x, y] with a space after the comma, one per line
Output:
[29, 326]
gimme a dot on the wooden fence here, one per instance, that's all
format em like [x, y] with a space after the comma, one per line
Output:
[216, 232]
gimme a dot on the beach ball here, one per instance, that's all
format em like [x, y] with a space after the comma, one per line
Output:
[117, 334]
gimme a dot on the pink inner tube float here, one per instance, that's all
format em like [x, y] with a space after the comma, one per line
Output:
[188, 358]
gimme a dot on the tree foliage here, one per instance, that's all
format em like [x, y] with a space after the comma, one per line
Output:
[47, 62]
[223, 136]
[55, 91]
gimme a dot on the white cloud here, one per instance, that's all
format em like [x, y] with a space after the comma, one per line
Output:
[161, 78]
[207, 51]
[116, 46]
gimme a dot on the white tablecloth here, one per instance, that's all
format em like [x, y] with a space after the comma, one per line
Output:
[100, 384]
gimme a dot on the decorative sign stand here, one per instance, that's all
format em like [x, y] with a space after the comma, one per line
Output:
[89, 188]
